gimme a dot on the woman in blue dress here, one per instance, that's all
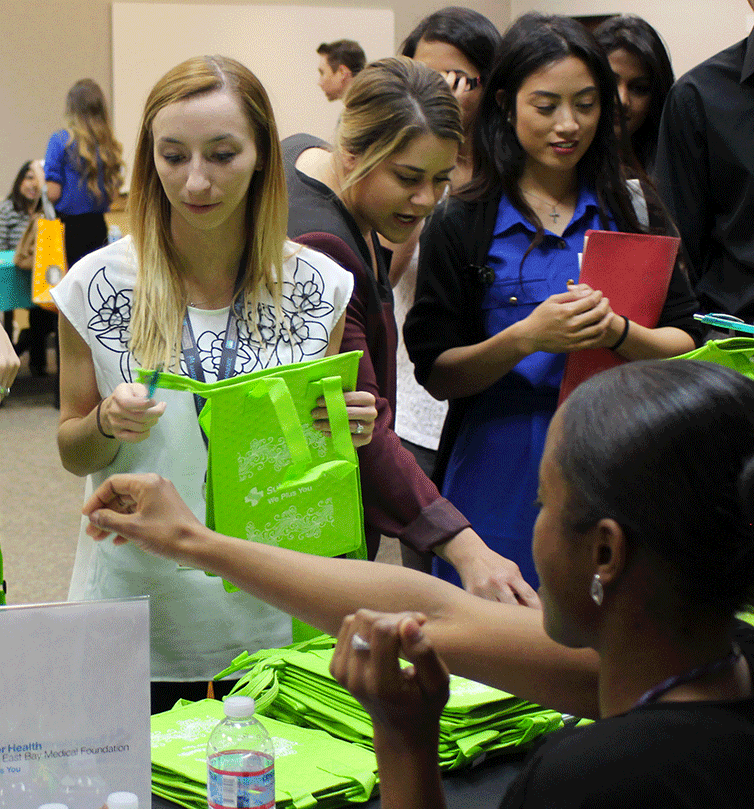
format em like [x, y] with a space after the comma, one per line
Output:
[497, 308]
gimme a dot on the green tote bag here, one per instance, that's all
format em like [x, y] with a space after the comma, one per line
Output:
[736, 353]
[272, 477]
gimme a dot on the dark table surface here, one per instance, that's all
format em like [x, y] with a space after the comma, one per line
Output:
[481, 787]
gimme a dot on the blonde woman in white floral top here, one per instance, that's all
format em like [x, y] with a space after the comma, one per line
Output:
[208, 249]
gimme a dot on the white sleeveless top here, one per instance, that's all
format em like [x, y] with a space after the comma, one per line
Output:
[196, 627]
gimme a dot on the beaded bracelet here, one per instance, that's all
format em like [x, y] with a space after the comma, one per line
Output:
[623, 336]
[99, 423]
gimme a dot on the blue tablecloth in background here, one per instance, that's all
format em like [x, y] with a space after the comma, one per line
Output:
[15, 284]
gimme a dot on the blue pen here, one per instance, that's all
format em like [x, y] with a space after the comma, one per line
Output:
[725, 321]
[153, 381]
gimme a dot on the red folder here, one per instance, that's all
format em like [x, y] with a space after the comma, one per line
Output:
[633, 270]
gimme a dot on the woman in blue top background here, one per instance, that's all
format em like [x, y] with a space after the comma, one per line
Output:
[83, 173]
[83, 169]
[497, 308]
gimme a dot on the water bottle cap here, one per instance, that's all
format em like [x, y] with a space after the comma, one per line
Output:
[239, 707]
[122, 800]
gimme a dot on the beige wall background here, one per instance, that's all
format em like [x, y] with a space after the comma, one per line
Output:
[285, 65]
[46, 45]
[49, 44]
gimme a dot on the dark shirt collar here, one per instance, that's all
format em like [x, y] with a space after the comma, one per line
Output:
[747, 71]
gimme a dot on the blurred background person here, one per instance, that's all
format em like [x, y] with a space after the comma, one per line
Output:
[83, 169]
[339, 62]
[83, 173]
[644, 76]
[15, 212]
[705, 175]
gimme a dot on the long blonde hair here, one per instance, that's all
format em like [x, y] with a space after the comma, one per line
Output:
[388, 104]
[159, 300]
[92, 139]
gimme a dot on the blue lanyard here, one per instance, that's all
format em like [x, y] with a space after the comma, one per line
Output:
[688, 676]
[190, 349]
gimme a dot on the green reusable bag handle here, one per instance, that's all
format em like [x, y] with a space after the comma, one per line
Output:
[282, 403]
[331, 387]
[275, 389]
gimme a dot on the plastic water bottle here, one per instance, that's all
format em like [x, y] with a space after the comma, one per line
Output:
[240, 759]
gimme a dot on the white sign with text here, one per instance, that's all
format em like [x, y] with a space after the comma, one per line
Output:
[74, 715]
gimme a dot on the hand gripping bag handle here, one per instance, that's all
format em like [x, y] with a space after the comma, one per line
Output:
[331, 387]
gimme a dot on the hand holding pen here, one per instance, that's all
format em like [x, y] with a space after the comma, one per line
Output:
[129, 412]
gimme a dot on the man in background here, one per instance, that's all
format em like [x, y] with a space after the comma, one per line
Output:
[705, 175]
[339, 62]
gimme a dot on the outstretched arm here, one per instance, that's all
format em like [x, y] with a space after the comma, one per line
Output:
[502, 645]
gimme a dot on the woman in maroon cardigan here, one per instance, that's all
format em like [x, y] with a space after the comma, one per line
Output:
[397, 143]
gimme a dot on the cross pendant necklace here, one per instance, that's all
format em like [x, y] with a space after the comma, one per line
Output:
[554, 215]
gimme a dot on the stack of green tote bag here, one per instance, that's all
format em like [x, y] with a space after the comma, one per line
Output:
[294, 685]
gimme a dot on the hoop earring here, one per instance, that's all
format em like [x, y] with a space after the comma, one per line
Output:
[596, 591]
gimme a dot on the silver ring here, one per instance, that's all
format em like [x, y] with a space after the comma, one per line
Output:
[358, 644]
[359, 429]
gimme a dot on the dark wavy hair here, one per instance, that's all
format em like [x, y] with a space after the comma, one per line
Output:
[532, 42]
[469, 31]
[637, 36]
[20, 203]
[666, 449]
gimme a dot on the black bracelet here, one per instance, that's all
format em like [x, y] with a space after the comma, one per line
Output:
[99, 423]
[623, 336]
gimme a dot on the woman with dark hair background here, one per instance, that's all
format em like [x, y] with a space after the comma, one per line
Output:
[18, 206]
[15, 212]
[461, 44]
[644, 76]
[496, 306]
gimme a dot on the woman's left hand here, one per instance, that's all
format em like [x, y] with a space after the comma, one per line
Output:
[361, 410]
[614, 324]
[404, 703]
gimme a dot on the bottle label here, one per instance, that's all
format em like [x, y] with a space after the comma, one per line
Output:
[228, 785]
